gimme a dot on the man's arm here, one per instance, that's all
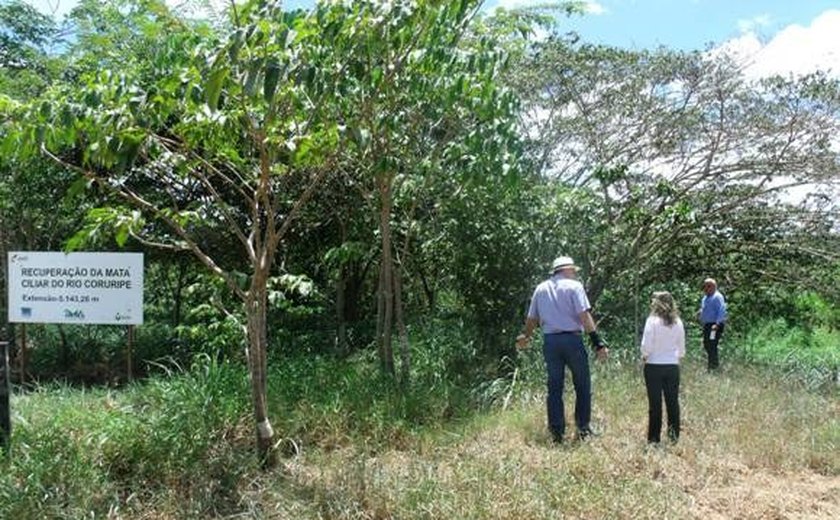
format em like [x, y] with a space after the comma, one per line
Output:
[719, 313]
[721, 310]
[598, 344]
[588, 321]
[523, 339]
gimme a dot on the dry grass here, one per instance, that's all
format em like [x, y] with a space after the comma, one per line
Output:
[751, 448]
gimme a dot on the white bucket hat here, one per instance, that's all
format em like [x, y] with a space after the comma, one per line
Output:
[563, 262]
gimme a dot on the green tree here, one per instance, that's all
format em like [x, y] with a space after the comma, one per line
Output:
[215, 145]
[655, 151]
[422, 102]
[26, 35]
[208, 139]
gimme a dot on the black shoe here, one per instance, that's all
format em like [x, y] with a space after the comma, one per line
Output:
[556, 438]
[584, 434]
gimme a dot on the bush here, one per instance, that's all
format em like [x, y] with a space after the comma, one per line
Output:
[810, 355]
[180, 441]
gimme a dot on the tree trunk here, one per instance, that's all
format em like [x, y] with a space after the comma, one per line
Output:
[354, 285]
[386, 279]
[427, 288]
[405, 350]
[340, 294]
[341, 337]
[380, 314]
[178, 294]
[256, 306]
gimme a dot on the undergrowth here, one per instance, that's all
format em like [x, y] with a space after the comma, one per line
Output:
[446, 444]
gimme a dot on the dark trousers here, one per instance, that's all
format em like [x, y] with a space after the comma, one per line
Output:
[561, 350]
[711, 345]
[663, 380]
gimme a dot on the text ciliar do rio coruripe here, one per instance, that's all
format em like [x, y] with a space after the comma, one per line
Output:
[76, 277]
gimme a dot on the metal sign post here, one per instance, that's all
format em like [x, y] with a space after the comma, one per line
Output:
[129, 353]
[22, 355]
[5, 395]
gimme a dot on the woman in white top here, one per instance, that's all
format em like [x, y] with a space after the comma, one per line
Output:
[663, 346]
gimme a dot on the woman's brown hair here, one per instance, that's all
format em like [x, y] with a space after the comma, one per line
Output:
[663, 305]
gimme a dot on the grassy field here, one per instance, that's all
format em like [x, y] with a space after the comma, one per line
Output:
[750, 449]
[753, 446]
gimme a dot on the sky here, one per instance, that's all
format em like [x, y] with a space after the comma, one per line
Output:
[771, 36]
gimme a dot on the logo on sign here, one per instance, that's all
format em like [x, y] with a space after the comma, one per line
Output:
[76, 314]
[26, 312]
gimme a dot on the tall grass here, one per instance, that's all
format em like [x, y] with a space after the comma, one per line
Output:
[329, 402]
[180, 446]
[181, 443]
[751, 448]
[176, 441]
[811, 356]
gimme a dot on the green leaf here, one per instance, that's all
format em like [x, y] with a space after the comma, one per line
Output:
[46, 109]
[272, 76]
[93, 99]
[196, 94]
[79, 185]
[251, 76]
[376, 76]
[214, 86]
[235, 45]
[77, 241]
[67, 117]
[122, 235]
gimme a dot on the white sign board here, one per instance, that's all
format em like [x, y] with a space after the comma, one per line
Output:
[84, 288]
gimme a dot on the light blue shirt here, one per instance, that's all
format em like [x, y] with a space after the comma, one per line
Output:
[557, 304]
[713, 308]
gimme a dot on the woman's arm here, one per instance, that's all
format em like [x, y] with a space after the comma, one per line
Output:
[647, 339]
[680, 339]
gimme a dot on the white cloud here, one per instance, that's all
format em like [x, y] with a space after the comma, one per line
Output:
[515, 4]
[795, 50]
[61, 8]
[589, 6]
[750, 25]
[57, 8]
[593, 7]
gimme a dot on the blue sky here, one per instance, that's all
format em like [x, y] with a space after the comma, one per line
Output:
[774, 36]
[686, 24]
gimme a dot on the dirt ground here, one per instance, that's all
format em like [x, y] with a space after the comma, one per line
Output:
[761, 495]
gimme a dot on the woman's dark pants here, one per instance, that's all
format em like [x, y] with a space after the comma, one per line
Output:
[663, 380]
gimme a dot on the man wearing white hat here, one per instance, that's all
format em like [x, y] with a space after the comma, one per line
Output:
[562, 310]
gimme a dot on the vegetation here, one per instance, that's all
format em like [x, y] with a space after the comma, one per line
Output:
[178, 446]
[810, 356]
[343, 212]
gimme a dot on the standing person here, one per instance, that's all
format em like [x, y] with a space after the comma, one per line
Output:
[663, 346]
[560, 307]
[713, 317]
